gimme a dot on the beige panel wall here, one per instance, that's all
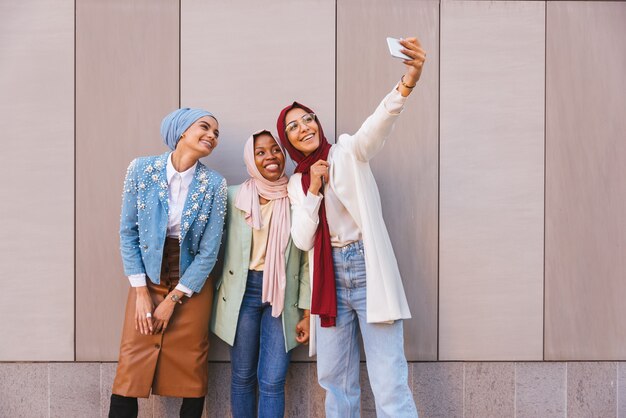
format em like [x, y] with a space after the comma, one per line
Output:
[126, 81]
[491, 208]
[37, 167]
[406, 169]
[491, 156]
[246, 60]
[585, 189]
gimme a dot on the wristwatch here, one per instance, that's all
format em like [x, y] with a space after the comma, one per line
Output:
[176, 298]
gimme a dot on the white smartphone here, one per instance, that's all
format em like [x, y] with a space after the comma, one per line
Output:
[395, 47]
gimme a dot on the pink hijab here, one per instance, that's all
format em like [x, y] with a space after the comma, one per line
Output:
[247, 200]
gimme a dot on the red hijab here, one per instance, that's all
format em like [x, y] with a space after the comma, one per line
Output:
[324, 297]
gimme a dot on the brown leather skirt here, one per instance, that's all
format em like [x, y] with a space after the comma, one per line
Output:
[173, 363]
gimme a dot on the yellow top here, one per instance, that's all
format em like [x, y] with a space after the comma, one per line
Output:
[259, 238]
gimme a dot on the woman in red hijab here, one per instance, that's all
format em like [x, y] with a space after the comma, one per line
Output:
[356, 283]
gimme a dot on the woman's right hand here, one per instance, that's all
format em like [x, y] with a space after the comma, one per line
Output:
[143, 306]
[318, 172]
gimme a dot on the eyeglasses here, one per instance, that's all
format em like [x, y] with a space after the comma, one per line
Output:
[294, 125]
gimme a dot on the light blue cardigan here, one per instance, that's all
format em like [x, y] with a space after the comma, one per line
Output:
[144, 218]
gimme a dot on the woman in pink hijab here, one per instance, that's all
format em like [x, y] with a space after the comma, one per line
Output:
[262, 300]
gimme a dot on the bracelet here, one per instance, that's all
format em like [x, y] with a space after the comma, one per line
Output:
[406, 85]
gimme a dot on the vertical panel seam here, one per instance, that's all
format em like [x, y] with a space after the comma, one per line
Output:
[102, 400]
[438, 181]
[515, 390]
[49, 409]
[617, 389]
[566, 387]
[545, 136]
[179, 52]
[74, 175]
[463, 402]
[336, 47]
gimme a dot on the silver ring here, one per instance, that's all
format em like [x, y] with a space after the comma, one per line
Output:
[148, 315]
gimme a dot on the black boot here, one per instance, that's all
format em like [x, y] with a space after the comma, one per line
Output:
[192, 407]
[123, 407]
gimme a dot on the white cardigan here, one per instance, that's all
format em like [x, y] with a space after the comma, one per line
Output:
[352, 180]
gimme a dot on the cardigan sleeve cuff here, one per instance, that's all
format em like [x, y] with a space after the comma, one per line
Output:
[394, 102]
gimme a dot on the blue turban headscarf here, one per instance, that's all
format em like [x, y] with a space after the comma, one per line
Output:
[177, 122]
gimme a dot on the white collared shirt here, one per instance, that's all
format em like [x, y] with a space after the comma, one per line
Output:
[178, 189]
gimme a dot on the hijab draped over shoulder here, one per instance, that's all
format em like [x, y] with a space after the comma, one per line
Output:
[324, 296]
[247, 200]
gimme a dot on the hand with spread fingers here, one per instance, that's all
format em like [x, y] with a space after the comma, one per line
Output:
[143, 311]
[412, 48]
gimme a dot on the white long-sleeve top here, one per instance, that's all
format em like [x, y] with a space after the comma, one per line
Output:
[352, 181]
[178, 189]
[341, 227]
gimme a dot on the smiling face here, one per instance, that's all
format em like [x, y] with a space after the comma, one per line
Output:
[305, 138]
[201, 137]
[268, 157]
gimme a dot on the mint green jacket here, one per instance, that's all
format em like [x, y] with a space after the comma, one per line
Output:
[231, 284]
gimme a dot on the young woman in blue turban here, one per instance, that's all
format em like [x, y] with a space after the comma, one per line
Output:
[173, 210]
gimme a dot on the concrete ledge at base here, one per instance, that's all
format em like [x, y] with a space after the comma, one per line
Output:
[24, 390]
[441, 389]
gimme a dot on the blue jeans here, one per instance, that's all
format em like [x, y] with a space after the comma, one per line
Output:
[258, 354]
[338, 348]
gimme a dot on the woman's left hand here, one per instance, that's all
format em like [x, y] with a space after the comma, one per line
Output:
[303, 328]
[162, 314]
[413, 49]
